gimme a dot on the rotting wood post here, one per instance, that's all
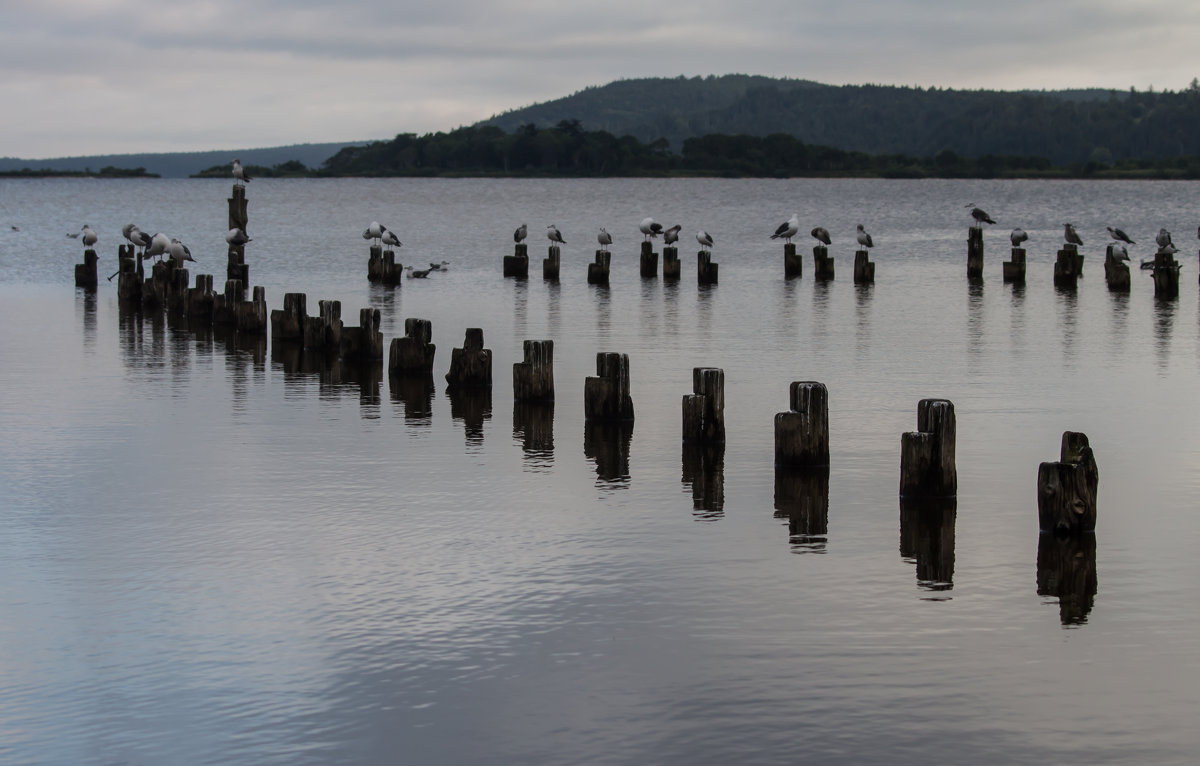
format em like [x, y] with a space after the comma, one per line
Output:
[975, 253]
[822, 263]
[517, 264]
[802, 433]
[598, 270]
[391, 271]
[323, 332]
[365, 342]
[375, 264]
[864, 268]
[85, 273]
[706, 270]
[224, 304]
[550, 263]
[793, 265]
[177, 291]
[672, 268]
[704, 409]
[288, 323]
[533, 379]
[1014, 269]
[1166, 275]
[200, 298]
[471, 365]
[413, 353]
[927, 466]
[237, 209]
[252, 314]
[1066, 266]
[1116, 272]
[129, 281]
[606, 396]
[1067, 489]
[649, 261]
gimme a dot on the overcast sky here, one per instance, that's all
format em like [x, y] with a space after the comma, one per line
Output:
[114, 76]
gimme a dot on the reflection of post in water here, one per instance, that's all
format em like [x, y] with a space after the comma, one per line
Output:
[704, 472]
[1164, 319]
[1066, 570]
[88, 300]
[927, 537]
[607, 443]
[802, 497]
[415, 392]
[472, 406]
[533, 426]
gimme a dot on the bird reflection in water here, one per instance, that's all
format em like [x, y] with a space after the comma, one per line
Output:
[802, 497]
[533, 427]
[927, 539]
[607, 445]
[704, 474]
[473, 406]
[1066, 570]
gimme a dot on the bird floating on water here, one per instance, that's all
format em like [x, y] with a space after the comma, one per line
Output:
[73, 234]
[671, 235]
[650, 227]
[1119, 235]
[389, 238]
[520, 234]
[554, 235]
[417, 273]
[864, 238]
[788, 229]
[1163, 239]
[239, 173]
[979, 215]
[604, 238]
[237, 237]
[821, 234]
[1018, 236]
[89, 236]
[1070, 236]
[704, 238]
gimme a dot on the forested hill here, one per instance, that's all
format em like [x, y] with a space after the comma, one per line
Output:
[1062, 126]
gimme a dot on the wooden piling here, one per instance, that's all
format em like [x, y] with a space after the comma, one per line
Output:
[1014, 269]
[649, 261]
[517, 264]
[177, 291]
[927, 468]
[927, 538]
[822, 263]
[323, 332]
[802, 433]
[550, 264]
[672, 268]
[1068, 266]
[1067, 489]
[129, 280]
[85, 273]
[864, 268]
[471, 365]
[704, 409]
[287, 324]
[238, 219]
[606, 396]
[200, 299]
[1166, 275]
[365, 342]
[975, 253]
[706, 270]
[413, 353]
[598, 270]
[375, 264]
[1116, 272]
[1066, 570]
[793, 265]
[533, 379]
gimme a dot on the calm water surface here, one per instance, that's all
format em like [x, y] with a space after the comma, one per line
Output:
[211, 556]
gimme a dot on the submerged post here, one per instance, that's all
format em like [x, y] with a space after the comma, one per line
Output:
[533, 379]
[1014, 269]
[412, 354]
[517, 264]
[471, 365]
[975, 253]
[822, 263]
[1067, 489]
[927, 455]
[704, 409]
[793, 265]
[606, 396]
[802, 433]
[1116, 271]
[649, 261]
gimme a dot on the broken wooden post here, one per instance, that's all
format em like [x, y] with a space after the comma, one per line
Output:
[85, 273]
[238, 219]
[672, 268]
[375, 264]
[471, 365]
[1068, 266]
[802, 433]
[927, 539]
[550, 264]
[288, 323]
[1066, 570]
[704, 409]
[598, 270]
[251, 315]
[864, 268]
[533, 379]
[323, 333]
[1116, 272]
[606, 397]
[365, 342]
[1067, 489]
[129, 280]
[703, 470]
[975, 253]
[200, 298]
[793, 265]
[927, 455]
[822, 263]
[649, 261]
[1014, 269]
[413, 353]
[1166, 274]
[802, 497]
[390, 270]
[177, 291]
[517, 264]
[706, 270]
[224, 312]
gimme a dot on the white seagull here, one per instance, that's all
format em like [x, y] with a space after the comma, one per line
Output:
[237, 237]
[650, 227]
[179, 252]
[788, 229]
[704, 238]
[671, 235]
[374, 231]
[604, 238]
[158, 245]
[1018, 236]
[822, 235]
[520, 234]
[140, 239]
[89, 236]
[554, 235]
[864, 238]
[390, 239]
[239, 173]
[1119, 252]
[1120, 236]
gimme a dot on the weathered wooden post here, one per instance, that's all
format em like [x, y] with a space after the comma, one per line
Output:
[471, 365]
[793, 265]
[598, 271]
[365, 342]
[1014, 269]
[225, 304]
[413, 354]
[391, 271]
[129, 280]
[706, 270]
[85, 273]
[238, 219]
[533, 379]
[323, 333]
[927, 538]
[704, 409]
[927, 455]
[517, 264]
[288, 323]
[250, 317]
[1066, 570]
[375, 264]
[1067, 489]
[200, 299]
[1166, 274]
[975, 253]
[649, 261]
[703, 469]
[550, 264]
[1116, 272]
[606, 396]
[672, 268]
[822, 263]
[864, 268]
[1068, 266]
[802, 433]
[177, 291]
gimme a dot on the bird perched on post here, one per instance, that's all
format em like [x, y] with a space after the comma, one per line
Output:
[705, 239]
[671, 235]
[520, 234]
[1119, 235]
[1119, 252]
[979, 215]
[1018, 236]
[821, 234]
[1163, 239]
[374, 231]
[158, 245]
[89, 236]
[237, 237]
[554, 235]
[140, 239]
[239, 173]
[864, 238]
[604, 238]
[179, 252]
[650, 227]
[788, 229]
[1071, 236]
[389, 238]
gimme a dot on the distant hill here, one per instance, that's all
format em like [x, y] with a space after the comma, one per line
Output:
[1063, 126]
[184, 164]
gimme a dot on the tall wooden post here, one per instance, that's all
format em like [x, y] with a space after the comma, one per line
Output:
[802, 433]
[238, 219]
[975, 253]
[649, 261]
[533, 379]
[793, 265]
[704, 409]
[550, 264]
[927, 467]
[822, 263]
[671, 265]
[1014, 269]
[1067, 489]
[606, 396]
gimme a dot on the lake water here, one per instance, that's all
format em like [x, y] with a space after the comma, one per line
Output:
[209, 556]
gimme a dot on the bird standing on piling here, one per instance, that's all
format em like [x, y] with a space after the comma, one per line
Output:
[788, 229]
[1071, 236]
[1018, 236]
[979, 215]
[650, 227]
[705, 239]
[821, 234]
[389, 238]
[89, 236]
[604, 238]
[554, 235]
[374, 231]
[239, 173]
[140, 239]
[1164, 238]
[864, 238]
[158, 245]
[237, 237]
[127, 230]
[520, 234]
[671, 235]
[1119, 252]
[1119, 235]
[179, 252]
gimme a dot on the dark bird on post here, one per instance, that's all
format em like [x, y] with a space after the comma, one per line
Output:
[704, 238]
[671, 235]
[822, 235]
[604, 238]
[520, 234]
[554, 235]
[1164, 238]
[1071, 236]
[1120, 236]
[1018, 236]
[979, 215]
[864, 238]
[788, 229]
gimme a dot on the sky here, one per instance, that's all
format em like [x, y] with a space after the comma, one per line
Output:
[121, 76]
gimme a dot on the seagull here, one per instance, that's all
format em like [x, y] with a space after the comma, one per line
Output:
[14, 228]
[237, 237]
[604, 238]
[1119, 252]
[979, 215]
[158, 245]
[435, 266]
[239, 174]
[671, 235]
[1018, 236]
[1071, 236]
[179, 252]
[140, 239]
[389, 238]
[1163, 239]
[704, 238]
[1120, 236]
[650, 227]
[374, 231]
[864, 238]
[822, 235]
[73, 234]
[554, 235]
[1169, 249]
[415, 274]
[520, 234]
[89, 236]
[788, 229]
[127, 229]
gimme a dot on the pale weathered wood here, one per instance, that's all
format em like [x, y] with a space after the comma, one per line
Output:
[413, 353]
